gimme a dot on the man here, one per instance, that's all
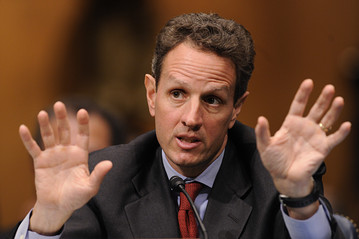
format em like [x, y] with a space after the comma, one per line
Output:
[201, 68]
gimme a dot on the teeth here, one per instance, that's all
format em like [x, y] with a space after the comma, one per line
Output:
[188, 140]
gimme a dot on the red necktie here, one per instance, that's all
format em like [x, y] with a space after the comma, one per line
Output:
[186, 217]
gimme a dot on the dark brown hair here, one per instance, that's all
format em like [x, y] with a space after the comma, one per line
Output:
[208, 32]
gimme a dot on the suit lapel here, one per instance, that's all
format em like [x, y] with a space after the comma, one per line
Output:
[154, 213]
[227, 213]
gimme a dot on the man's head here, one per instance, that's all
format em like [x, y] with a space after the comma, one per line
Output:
[201, 68]
[208, 32]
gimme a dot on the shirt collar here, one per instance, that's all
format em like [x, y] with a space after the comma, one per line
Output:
[207, 177]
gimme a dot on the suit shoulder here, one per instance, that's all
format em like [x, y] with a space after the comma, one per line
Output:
[139, 148]
[242, 133]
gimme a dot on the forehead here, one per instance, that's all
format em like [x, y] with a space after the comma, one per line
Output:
[188, 61]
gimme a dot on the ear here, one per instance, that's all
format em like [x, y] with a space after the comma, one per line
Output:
[150, 84]
[237, 108]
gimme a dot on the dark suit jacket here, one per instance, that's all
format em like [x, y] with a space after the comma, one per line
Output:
[135, 200]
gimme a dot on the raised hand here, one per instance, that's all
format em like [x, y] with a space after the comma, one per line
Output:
[299, 147]
[62, 179]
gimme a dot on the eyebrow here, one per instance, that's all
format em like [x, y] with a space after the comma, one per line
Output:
[211, 88]
[179, 81]
[222, 88]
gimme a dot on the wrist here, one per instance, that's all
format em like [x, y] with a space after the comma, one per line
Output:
[303, 213]
[302, 208]
[46, 222]
[300, 202]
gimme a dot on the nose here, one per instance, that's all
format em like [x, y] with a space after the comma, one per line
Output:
[192, 115]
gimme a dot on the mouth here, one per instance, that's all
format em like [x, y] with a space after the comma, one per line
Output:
[188, 143]
[188, 139]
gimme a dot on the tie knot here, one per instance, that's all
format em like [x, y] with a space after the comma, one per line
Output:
[192, 189]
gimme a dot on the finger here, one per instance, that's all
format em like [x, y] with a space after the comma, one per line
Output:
[82, 138]
[262, 133]
[334, 112]
[338, 136]
[47, 133]
[29, 143]
[63, 126]
[301, 98]
[322, 103]
[98, 174]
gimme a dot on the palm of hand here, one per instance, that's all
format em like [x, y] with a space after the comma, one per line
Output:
[62, 177]
[296, 150]
[299, 147]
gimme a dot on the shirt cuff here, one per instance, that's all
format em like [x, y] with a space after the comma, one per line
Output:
[24, 233]
[316, 227]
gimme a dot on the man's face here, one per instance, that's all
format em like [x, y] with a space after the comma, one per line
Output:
[193, 107]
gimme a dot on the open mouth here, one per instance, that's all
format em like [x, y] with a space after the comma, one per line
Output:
[188, 140]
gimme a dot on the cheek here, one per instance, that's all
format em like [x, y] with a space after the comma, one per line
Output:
[220, 121]
[216, 132]
[217, 127]
[165, 128]
[166, 113]
[166, 120]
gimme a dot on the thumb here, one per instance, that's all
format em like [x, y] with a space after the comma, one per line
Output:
[98, 174]
[262, 133]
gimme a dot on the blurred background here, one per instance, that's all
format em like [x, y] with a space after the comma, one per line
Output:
[101, 50]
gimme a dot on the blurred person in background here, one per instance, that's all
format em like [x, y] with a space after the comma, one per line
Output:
[105, 128]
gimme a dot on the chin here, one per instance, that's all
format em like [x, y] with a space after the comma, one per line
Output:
[190, 162]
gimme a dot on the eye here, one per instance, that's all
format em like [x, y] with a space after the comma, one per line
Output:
[213, 100]
[177, 94]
